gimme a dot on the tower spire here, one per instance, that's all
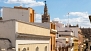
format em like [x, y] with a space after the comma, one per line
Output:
[45, 9]
[45, 16]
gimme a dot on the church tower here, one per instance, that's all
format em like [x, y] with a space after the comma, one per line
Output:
[45, 16]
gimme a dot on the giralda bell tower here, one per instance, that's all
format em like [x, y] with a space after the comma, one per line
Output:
[45, 16]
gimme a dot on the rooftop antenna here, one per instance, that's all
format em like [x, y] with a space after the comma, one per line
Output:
[68, 21]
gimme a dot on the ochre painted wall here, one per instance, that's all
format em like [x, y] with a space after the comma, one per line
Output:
[53, 36]
[31, 15]
[75, 47]
[52, 42]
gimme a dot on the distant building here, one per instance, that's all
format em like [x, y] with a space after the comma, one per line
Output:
[66, 37]
[80, 39]
[86, 32]
[18, 13]
[74, 29]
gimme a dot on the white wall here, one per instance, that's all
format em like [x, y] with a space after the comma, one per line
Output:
[19, 14]
[31, 41]
[7, 30]
[75, 30]
[58, 25]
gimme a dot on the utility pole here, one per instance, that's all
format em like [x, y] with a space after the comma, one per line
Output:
[68, 21]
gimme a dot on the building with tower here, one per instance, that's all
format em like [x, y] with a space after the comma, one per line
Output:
[46, 19]
[45, 16]
[20, 29]
[19, 32]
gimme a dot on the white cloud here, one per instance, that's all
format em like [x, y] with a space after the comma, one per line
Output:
[27, 3]
[37, 17]
[35, 4]
[81, 19]
[80, 14]
[57, 19]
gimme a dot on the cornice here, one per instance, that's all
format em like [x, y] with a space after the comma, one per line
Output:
[23, 35]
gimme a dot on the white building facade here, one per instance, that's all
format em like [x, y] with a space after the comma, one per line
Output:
[20, 36]
[65, 36]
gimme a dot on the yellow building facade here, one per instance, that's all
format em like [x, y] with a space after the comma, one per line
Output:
[53, 37]
[75, 46]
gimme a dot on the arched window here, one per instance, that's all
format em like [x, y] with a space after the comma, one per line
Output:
[24, 49]
[37, 48]
[18, 49]
[28, 48]
[45, 48]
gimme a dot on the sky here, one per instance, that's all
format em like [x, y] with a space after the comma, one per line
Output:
[78, 10]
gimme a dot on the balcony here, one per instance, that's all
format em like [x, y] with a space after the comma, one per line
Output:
[65, 33]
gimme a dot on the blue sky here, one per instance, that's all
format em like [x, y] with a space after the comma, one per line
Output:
[58, 9]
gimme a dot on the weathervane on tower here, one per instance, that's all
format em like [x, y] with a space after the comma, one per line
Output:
[45, 1]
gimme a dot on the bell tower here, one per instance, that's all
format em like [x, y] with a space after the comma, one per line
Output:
[45, 16]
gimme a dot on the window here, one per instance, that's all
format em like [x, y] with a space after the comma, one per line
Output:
[54, 26]
[51, 47]
[51, 25]
[24, 49]
[18, 49]
[51, 42]
[27, 48]
[60, 35]
[54, 43]
[45, 48]
[46, 18]
[37, 48]
[66, 30]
